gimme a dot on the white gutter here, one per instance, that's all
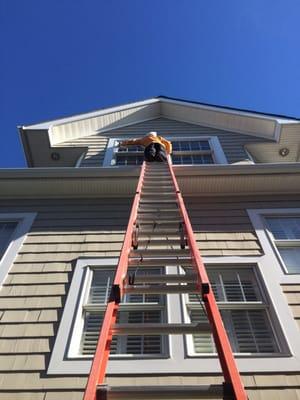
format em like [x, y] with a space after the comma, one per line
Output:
[230, 180]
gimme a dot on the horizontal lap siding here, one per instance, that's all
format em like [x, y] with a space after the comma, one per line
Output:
[232, 143]
[292, 293]
[34, 293]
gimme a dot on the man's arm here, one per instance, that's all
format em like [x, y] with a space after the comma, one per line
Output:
[131, 142]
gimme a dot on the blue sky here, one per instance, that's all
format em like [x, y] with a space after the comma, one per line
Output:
[62, 57]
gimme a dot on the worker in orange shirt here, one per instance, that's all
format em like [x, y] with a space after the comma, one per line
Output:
[156, 147]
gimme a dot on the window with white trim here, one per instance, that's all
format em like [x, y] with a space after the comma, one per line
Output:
[244, 310]
[135, 308]
[285, 233]
[186, 151]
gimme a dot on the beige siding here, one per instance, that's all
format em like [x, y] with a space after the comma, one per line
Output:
[292, 293]
[232, 143]
[33, 295]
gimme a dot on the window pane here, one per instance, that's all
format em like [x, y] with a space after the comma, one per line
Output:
[207, 159]
[187, 160]
[204, 145]
[176, 145]
[203, 342]
[284, 228]
[195, 145]
[176, 159]
[232, 286]
[249, 331]
[291, 258]
[6, 231]
[100, 287]
[137, 345]
[184, 145]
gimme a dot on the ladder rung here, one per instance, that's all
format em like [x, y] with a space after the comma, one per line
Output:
[160, 262]
[157, 196]
[162, 242]
[159, 253]
[170, 278]
[159, 201]
[161, 329]
[158, 221]
[147, 230]
[161, 289]
[171, 391]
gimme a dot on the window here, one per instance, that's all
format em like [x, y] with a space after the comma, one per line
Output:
[192, 151]
[244, 312]
[13, 229]
[285, 233]
[6, 230]
[251, 320]
[136, 308]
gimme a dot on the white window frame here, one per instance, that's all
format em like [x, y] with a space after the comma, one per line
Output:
[179, 361]
[216, 150]
[24, 222]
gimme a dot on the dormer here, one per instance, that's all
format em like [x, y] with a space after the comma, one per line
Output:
[201, 134]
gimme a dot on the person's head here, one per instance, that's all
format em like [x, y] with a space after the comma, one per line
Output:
[152, 134]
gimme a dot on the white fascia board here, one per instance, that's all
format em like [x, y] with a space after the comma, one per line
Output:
[225, 110]
[78, 117]
[181, 170]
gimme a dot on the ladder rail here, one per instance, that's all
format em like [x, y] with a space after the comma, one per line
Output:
[229, 368]
[100, 360]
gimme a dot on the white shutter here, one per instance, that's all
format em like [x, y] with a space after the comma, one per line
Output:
[250, 331]
[203, 342]
[134, 345]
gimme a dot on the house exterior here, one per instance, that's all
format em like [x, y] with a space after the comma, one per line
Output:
[62, 223]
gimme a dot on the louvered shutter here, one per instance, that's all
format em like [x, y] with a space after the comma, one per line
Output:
[249, 330]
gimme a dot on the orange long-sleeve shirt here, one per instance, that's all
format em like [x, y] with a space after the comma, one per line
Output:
[146, 140]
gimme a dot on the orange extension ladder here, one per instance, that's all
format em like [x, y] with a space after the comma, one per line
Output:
[157, 190]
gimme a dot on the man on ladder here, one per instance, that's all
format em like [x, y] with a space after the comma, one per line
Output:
[156, 147]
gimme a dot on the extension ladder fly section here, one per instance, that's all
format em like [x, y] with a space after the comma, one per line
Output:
[159, 234]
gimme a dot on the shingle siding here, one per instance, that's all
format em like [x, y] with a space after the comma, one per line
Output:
[34, 293]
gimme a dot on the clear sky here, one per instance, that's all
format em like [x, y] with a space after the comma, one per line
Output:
[62, 57]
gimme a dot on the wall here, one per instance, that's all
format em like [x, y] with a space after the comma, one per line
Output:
[34, 293]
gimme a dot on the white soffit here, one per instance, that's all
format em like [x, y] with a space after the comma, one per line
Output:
[82, 125]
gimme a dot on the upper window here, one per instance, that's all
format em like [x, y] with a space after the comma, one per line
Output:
[186, 151]
[285, 233]
[244, 311]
